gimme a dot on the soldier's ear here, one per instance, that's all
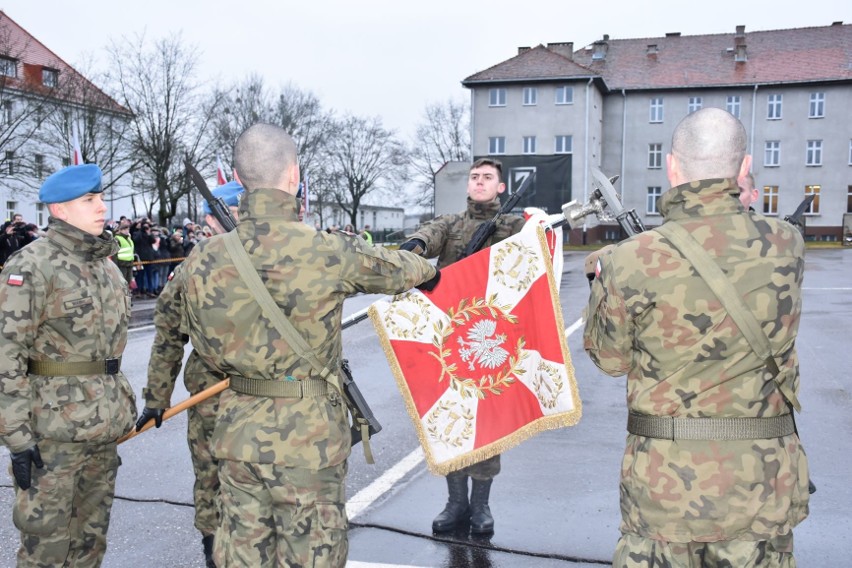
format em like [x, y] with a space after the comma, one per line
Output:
[745, 167]
[501, 187]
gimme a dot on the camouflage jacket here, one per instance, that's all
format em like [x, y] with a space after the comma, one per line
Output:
[167, 352]
[652, 317]
[309, 273]
[62, 299]
[447, 236]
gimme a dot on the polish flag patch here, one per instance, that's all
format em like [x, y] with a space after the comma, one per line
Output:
[15, 280]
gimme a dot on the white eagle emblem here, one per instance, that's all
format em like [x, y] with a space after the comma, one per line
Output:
[482, 348]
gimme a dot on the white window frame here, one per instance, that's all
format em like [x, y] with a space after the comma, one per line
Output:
[655, 156]
[529, 144]
[772, 153]
[651, 198]
[770, 199]
[11, 209]
[774, 106]
[496, 145]
[497, 97]
[656, 110]
[49, 77]
[813, 208]
[694, 104]
[564, 144]
[38, 166]
[10, 162]
[816, 105]
[40, 212]
[8, 67]
[564, 95]
[530, 96]
[813, 153]
[733, 105]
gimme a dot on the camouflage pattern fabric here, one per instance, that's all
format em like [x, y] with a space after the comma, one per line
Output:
[63, 300]
[308, 273]
[652, 317]
[638, 552]
[446, 237]
[163, 368]
[282, 516]
[64, 516]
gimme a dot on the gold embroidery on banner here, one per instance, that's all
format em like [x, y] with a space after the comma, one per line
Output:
[459, 424]
[515, 266]
[548, 384]
[407, 319]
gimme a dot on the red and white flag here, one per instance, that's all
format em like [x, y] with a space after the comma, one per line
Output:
[481, 361]
[221, 179]
[76, 153]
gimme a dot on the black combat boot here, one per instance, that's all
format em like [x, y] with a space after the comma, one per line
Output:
[207, 542]
[457, 508]
[481, 521]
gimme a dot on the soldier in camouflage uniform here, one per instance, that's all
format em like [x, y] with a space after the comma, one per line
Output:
[163, 368]
[696, 499]
[282, 433]
[446, 237]
[63, 400]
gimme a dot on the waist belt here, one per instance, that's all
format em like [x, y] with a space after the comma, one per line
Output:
[72, 368]
[674, 428]
[279, 389]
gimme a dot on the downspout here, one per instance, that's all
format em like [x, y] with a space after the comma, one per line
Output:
[753, 117]
[623, 143]
[586, 156]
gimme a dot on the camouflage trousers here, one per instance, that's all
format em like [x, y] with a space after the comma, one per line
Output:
[634, 551]
[200, 424]
[484, 470]
[63, 517]
[281, 516]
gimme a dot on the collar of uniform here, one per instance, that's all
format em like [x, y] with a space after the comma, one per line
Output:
[483, 210]
[701, 198]
[269, 203]
[76, 240]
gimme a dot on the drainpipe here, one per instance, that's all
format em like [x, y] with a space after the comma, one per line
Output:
[586, 155]
[623, 144]
[753, 117]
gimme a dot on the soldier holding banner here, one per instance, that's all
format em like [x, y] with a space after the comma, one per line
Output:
[446, 237]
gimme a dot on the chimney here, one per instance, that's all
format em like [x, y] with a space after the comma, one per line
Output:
[523, 50]
[740, 31]
[565, 48]
[672, 34]
[653, 49]
[600, 48]
[741, 56]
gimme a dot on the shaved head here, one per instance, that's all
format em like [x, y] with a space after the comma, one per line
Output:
[265, 157]
[709, 144]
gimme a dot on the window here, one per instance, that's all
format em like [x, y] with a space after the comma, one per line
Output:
[816, 109]
[10, 162]
[8, 67]
[11, 207]
[38, 166]
[814, 154]
[732, 105]
[564, 95]
[694, 104]
[656, 110]
[814, 207]
[49, 77]
[772, 153]
[8, 111]
[66, 161]
[770, 200]
[655, 156]
[497, 97]
[530, 96]
[497, 145]
[529, 144]
[850, 152]
[40, 210]
[564, 144]
[654, 194]
[773, 108]
[849, 198]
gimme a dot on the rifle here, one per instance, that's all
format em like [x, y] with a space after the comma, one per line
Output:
[217, 205]
[797, 219]
[486, 230]
[604, 198]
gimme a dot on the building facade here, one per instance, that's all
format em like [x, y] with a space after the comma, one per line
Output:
[615, 103]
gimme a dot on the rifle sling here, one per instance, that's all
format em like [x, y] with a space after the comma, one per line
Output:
[713, 276]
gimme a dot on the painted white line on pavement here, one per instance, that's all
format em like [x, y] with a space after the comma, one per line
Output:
[356, 564]
[810, 288]
[381, 485]
[573, 327]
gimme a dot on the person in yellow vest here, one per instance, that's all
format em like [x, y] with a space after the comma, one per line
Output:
[124, 257]
[365, 234]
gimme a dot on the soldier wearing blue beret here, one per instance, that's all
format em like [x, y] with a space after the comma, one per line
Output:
[230, 193]
[65, 307]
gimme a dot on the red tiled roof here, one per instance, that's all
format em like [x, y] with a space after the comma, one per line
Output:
[536, 64]
[33, 56]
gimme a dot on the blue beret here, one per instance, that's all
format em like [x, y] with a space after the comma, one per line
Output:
[70, 183]
[230, 193]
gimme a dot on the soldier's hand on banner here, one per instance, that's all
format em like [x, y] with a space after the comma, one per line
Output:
[591, 264]
[149, 413]
[430, 284]
[22, 463]
[414, 245]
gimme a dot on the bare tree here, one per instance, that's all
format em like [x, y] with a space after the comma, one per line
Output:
[300, 113]
[172, 116]
[243, 104]
[364, 159]
[442, 136]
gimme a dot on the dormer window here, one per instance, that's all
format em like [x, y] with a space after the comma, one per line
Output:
[49, 77]
[8, 67]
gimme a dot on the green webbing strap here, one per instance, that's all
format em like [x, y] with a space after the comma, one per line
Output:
[685, 428]
[307, 388]
[731, 300]
[73, 368]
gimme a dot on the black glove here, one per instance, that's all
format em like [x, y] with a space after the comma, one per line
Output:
[430, 284]
[149, 413]
[412, 246]
[22, 463]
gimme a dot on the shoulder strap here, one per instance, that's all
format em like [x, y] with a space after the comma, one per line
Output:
[731, 300]
[272, 311]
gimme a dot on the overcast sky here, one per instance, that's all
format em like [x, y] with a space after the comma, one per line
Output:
[386, 58]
